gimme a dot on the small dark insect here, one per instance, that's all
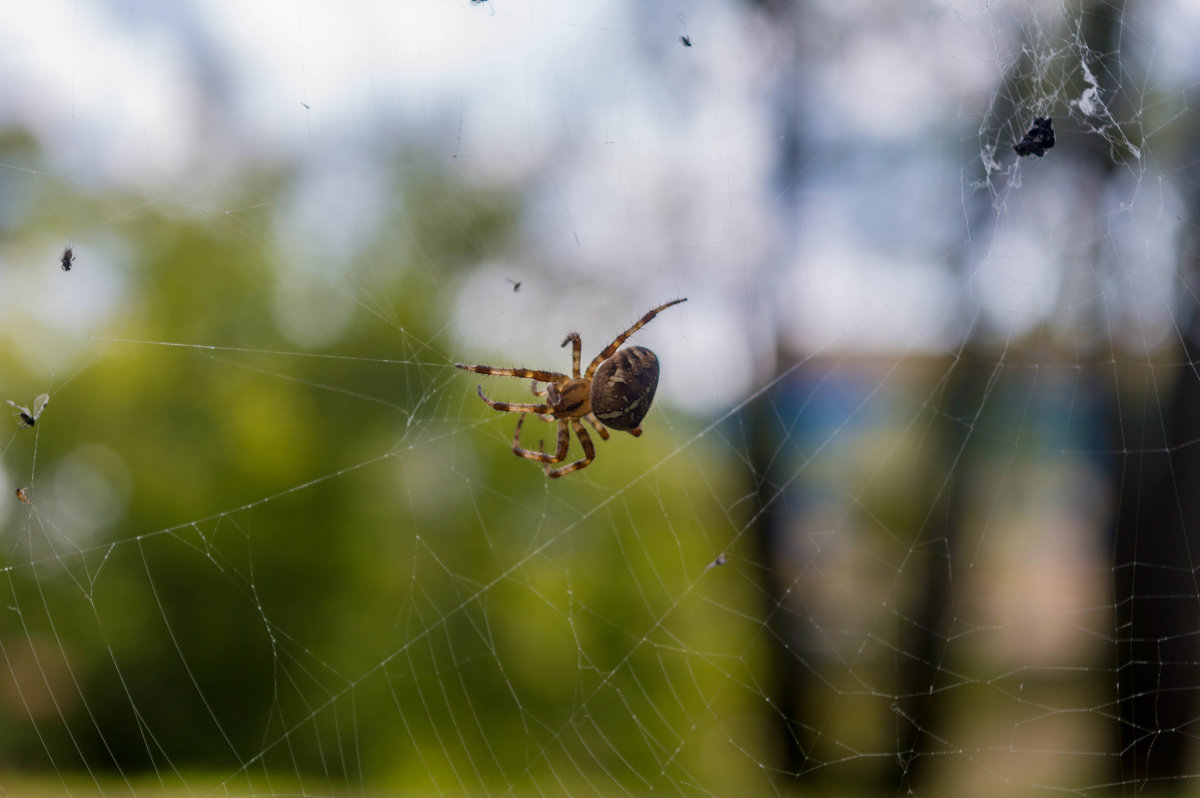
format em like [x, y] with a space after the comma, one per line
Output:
[614, 392]
[23, 496]
[516, 284]
[717, 563]
[305, 106]
[686, 41]
[1039, 138]
[68, 256]
[24, 416]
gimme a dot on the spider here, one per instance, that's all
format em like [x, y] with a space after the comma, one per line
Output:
[614, 392]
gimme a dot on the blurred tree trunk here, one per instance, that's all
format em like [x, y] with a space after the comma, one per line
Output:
[776, 512]
[962, 398]
[961, 401]
[1157, 553]
[1154, 427]
[772, 528]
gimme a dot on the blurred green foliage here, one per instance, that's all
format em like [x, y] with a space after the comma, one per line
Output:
[327, 564]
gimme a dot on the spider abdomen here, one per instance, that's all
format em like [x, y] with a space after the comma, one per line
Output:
[623, 388]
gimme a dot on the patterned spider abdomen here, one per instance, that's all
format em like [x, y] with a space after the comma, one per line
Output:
[623, 388]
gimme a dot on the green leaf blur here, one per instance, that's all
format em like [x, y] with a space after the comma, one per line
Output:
[327, 561]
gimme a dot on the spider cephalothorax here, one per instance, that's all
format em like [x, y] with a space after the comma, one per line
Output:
[615, 392]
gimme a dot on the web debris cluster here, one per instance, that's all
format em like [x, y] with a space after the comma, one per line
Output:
[1037, 139]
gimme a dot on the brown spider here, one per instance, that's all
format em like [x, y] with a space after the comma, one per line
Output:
[615, 391]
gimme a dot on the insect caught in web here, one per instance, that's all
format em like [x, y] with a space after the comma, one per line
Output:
[615, 392]
[22, 496]
[26, 417]
[1038, 139]
[68, 256]
[686, 41]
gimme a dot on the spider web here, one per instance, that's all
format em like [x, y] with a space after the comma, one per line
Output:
[911, 514]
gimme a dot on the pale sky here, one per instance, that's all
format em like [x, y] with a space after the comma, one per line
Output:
[655, 160]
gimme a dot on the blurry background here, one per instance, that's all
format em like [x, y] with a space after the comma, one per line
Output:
[916, 508]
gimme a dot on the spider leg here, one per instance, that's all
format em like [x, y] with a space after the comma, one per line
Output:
[589, 451]
[534, 387]
[508, 407]
[596, 425]
[607, 352]
[576, 351]
[543, 376]
[560, 453]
